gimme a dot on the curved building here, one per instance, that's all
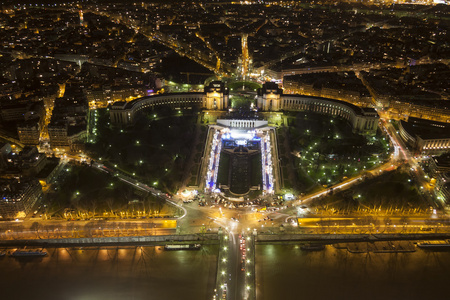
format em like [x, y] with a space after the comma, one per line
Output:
[363, 120]
[270, 98]
[124, 113]
[215, 97]
[425, 136]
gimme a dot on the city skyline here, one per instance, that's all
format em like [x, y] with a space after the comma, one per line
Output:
[262, 144]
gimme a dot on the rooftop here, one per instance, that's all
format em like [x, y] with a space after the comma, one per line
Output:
[426, 129]
[358, 110]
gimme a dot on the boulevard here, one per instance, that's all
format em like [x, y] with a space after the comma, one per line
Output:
[235, 266]
[224, 150]
[235, 275]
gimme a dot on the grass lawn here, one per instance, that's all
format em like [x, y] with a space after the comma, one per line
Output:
[156, 149]
[84, 189]
[390, 191]
[248, 86]
[327, 151]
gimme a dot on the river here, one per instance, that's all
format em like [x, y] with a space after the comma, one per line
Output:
[110, 273]
[282, 272]
[287, 272]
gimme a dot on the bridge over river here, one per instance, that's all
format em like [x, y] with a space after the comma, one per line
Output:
[235, 272]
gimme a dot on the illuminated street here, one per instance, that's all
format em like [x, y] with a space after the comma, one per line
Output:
[224, 150]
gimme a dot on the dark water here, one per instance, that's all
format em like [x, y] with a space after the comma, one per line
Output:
[286, 272]
[110, 273]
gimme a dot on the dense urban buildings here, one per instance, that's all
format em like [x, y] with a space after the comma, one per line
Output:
[18, 198]
[425, 136]
[285, 140]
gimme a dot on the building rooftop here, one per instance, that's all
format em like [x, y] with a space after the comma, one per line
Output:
[443, 160]
[358, 110]
[130, 104]
[271, 87]
[426, 129]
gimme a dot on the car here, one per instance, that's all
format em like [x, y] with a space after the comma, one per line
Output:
[426, 229]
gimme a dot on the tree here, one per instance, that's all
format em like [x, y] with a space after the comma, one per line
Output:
[110, 202]
[35, 227]
[94, 206]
